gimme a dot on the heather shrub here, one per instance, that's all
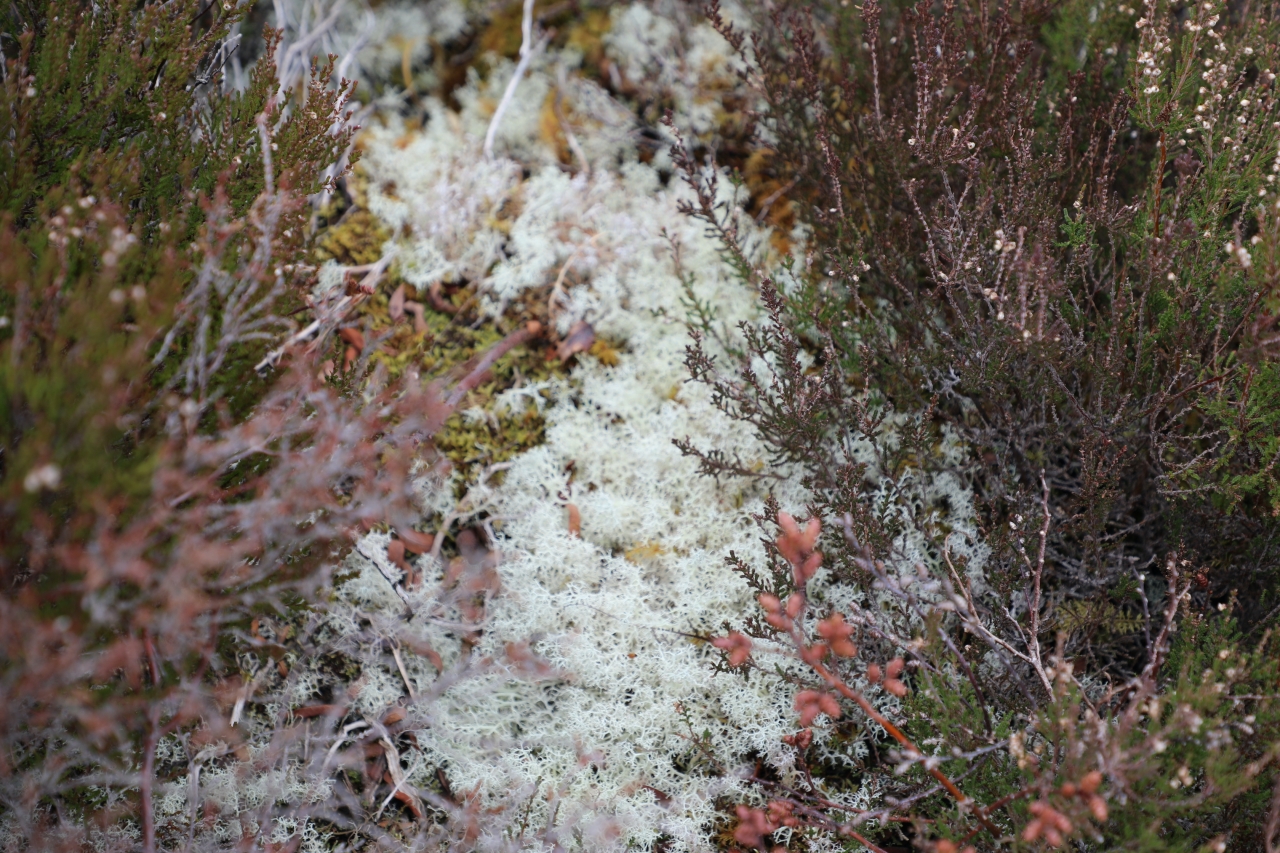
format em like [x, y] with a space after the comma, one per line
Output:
[1040, 266]
[171, 495]
[180, 673]
[347, 513]
[612, 547]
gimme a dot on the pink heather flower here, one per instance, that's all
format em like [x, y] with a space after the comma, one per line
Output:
[738, 647]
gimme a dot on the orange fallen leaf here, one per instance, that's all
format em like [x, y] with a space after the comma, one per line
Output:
[353, 336]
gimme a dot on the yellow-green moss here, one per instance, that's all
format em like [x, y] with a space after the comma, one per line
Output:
[355, 239]
[474, 444]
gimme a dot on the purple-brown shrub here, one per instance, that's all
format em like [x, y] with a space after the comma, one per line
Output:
[1042, 259]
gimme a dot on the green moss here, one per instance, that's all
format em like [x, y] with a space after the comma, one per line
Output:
[356, 238]
[474, 444]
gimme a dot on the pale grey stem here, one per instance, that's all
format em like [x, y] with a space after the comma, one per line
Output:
[527, 51]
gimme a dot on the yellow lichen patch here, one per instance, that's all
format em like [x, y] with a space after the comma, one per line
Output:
[644, 553]
[575, 28]
[769, 197]
[604, 353]
[586, 35]
[508, 212]
[503, 35]
[551, 129]
[406, 46]
[355, 239]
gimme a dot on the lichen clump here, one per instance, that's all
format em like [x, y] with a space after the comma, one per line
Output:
[613, 547]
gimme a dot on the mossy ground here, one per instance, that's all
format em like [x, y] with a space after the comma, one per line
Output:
[479, 435]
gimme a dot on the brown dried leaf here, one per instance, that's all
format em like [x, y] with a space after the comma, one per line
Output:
[579, 339]
[419, 316]
[396, 306]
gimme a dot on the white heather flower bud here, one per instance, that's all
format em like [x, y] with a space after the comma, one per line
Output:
[47, 476]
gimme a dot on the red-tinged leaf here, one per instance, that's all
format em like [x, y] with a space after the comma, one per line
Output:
[579, 339]
[395, 552]
[411, 801]
[352, 336]
[661, 797]
[737, 645]
[1098, 806]
[437, 300]
[419, 543]
[396, 306]
[419, 316]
